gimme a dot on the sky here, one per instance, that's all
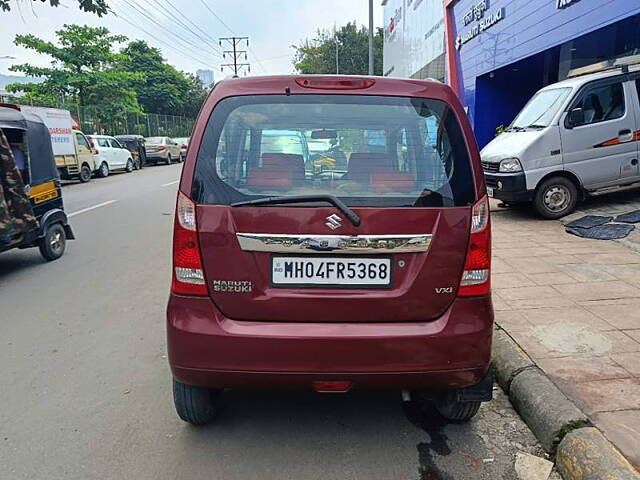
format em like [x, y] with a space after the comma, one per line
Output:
[186, 31]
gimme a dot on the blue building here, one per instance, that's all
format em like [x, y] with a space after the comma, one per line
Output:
[500, 52]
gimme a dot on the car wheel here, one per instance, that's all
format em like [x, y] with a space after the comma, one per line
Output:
[129, 167]
[53, 244]
[451, 409]
[195, 405]
[85, 174]
[168, 159]
[103, 171]
[555, 198]
[181, 158]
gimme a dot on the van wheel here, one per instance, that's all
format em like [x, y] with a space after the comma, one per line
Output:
[195, 405]
[103, 171]
[53, 244]
[85, 174]
[451, 409]
[555, 198]
[129, 167]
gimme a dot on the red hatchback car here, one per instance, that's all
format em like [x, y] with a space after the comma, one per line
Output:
[331, 233]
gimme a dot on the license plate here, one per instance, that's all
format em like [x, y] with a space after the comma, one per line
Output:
[490, 191]
[331, 271]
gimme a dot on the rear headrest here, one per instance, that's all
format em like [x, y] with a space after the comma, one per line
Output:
[288, 161]
[363, 165]
[267, 178]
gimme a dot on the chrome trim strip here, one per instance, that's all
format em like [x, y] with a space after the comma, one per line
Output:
[341, 244]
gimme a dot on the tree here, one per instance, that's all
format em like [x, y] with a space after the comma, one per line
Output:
[159, 86]
[84, 71]
[99, 7]
[318, 55]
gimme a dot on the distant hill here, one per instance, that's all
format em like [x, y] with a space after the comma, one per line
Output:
[8, 79]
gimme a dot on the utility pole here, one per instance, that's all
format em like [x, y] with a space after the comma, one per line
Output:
[371, 37]
[234, 42]
[335, 36]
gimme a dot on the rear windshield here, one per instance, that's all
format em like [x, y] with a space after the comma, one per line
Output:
[156, 140]
[366, 150]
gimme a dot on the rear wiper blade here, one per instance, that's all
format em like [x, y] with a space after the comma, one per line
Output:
[336, 202]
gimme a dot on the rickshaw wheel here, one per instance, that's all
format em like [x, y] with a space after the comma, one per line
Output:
[85, 174]
[53, 244]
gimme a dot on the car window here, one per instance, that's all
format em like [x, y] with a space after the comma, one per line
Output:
[103, 142]
[114, 143]
[369, 151]
[602, 103]
[82, 140]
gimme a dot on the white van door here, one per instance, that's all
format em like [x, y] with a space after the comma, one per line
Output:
[602, 146]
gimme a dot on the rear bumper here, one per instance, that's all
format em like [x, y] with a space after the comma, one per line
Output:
[208, 349]
[509, 187]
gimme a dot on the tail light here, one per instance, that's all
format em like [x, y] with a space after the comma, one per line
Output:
[188, 275]
[476, 279]
[92, 144]
[335, 83]
[161, 147]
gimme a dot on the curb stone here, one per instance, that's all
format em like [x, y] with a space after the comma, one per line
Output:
[583, 453]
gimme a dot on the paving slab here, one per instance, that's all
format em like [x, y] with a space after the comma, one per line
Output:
[623, 429]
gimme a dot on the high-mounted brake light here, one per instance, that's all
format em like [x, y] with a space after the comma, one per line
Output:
[188, 274]
[476, 279]
[336, 83]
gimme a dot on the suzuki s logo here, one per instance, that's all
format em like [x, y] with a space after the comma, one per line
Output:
[443, 290]
[333, 221]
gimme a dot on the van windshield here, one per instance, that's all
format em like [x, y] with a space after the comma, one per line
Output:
[541, 109]
[366, 150]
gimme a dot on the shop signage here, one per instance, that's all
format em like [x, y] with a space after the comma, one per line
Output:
[479, 13]
[565, 3]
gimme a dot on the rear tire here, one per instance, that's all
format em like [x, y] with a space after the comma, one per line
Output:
[451, 409]
[555, 198]
[53, 244]
[129, 168]
[195, 405]
[85, 174]
[103, 171]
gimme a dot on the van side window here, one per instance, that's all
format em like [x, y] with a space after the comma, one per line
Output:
[602, 103]
[82, 141]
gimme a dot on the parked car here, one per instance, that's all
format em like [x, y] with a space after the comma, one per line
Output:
[163, 149]
[135, 144]
[377, 277]
[110, 155]
[575, 138]
[71, 149]
[184, 144]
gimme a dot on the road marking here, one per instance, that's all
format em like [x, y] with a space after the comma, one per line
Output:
[170, 183]
[88, 209]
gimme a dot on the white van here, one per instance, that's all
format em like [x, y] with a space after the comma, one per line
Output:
[574, 138]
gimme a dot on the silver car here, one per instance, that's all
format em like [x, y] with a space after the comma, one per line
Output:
[574, 138]
[163, 150]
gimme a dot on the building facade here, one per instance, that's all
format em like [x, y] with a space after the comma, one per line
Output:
[206, 77]
[414, 44]
[500, 52]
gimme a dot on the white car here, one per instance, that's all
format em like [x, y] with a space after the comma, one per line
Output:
[163, 149]
[109, 155]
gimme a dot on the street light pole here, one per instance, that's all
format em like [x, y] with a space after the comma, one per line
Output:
[371, 37]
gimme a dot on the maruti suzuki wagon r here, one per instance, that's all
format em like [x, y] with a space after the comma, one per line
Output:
[331, 233]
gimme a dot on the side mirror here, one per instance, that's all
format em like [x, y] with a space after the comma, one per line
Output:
[576, 117]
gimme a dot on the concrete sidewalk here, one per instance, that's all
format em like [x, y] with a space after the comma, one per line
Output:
[574, 306]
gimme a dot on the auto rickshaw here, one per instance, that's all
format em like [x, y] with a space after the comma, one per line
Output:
[31, 209]
[135, 144]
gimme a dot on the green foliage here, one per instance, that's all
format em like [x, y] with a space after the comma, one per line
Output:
[160, 87]
[318, 55]
[84, 71]
[99, 7]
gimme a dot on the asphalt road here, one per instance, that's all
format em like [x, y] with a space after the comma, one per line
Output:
[85, 386]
